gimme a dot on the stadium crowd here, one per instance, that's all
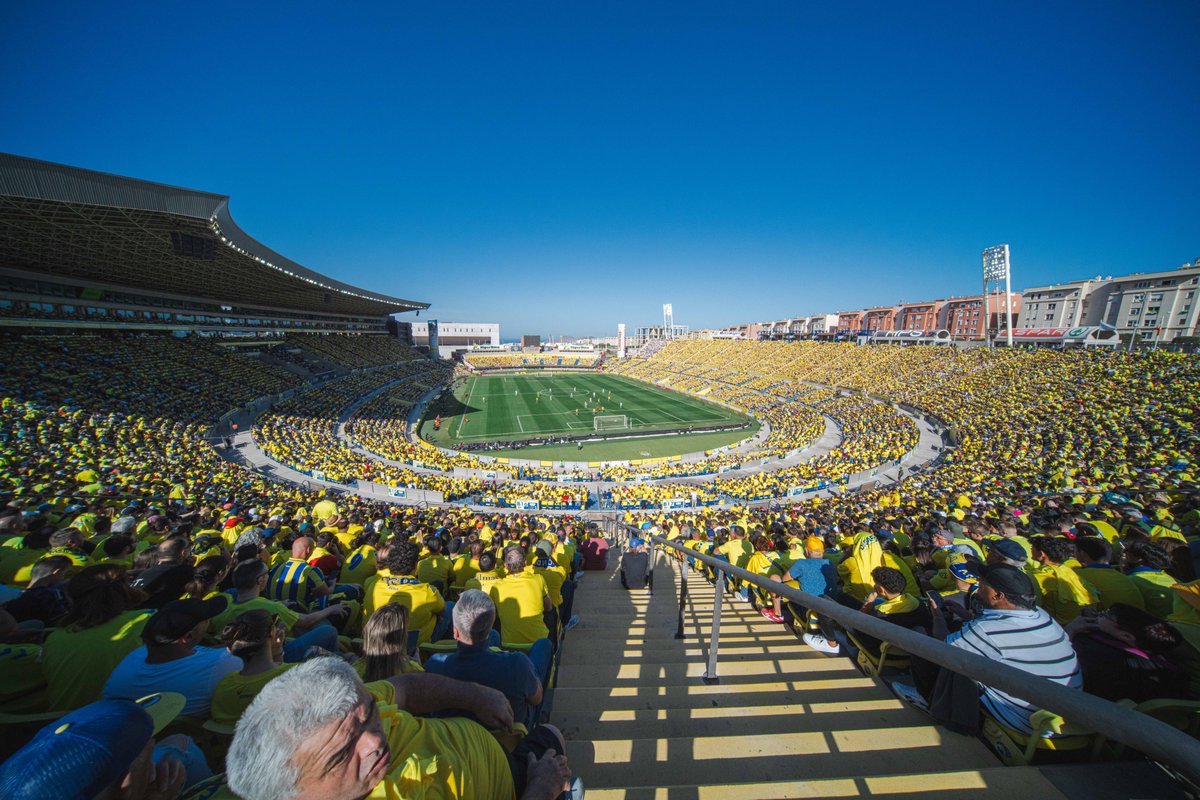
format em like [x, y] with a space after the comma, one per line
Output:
[486, 361]
[207, 606]
[137, 563]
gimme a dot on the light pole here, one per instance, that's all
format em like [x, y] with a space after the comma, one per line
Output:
[996, 270]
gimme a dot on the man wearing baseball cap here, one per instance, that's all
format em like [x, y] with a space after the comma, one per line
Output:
[104, 747]
[1012, 630]
[171, 660]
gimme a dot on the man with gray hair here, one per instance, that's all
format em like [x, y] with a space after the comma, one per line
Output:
[523, 602]
[518, 676]
[317, 732]
[126, 526]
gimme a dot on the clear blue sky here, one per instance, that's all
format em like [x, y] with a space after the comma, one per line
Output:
[559, 167]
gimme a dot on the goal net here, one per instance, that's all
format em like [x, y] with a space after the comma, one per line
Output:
[611, 422]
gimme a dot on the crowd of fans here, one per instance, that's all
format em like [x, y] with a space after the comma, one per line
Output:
[135, 561]
[486, 361]
[1093, 586]
[213, 607]
[355, 352]
[1067, 518]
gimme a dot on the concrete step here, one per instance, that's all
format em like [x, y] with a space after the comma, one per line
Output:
[666, 625]
[846, 688]
[680, 723]
[819, 754]
[687, 672]
[991, 783]
[589, 652]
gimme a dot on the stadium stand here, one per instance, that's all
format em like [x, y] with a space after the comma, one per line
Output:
[489, 361]
[134, 560]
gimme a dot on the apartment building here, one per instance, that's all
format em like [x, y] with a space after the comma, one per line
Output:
[1065, 305]
[880, 318]
[924, 316]
[974, 316]
[1158, 305]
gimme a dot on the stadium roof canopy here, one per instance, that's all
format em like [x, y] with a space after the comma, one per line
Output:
[105, 230]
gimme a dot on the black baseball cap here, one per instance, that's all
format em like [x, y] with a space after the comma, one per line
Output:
[176, 618]
[1006, 579]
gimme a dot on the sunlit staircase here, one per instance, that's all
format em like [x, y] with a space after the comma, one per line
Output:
[783, 720]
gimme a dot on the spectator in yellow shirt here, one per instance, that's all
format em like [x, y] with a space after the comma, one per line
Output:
[523, 607]
[397, 582]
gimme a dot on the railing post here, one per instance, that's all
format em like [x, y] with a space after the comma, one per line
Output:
[683, 593]
[714, 636]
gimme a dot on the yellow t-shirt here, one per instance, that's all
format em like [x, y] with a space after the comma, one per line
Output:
[235, 692]
[360, 565]
[434, 759]
[432, 569]
[554, 576]
[323, 510]
[1111, 586]
[1063, 593]
[463, 569]
[738, 551]
[423, 601]
[518, 600]
[484, 580]
[77, 663]
[16, 565]
[21, 681]
[564, 554]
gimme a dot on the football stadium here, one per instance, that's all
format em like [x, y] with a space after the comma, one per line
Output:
[273, 527]
[895, 566]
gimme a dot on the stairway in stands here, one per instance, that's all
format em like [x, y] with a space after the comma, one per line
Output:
[783, 721]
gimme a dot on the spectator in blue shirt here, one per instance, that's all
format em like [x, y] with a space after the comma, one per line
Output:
[816, 575]
[517, 676]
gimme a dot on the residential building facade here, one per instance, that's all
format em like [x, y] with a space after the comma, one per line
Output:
[1065, 305]
[926, 316]
[973, 317]
[1160, 306]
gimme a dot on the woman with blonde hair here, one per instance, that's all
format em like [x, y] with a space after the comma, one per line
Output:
[385, 645]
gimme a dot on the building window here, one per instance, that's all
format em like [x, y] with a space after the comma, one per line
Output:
[1135, 311]
[1140, 297]
[1156, 297]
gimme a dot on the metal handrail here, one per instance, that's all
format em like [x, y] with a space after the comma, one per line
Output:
[1142, 732]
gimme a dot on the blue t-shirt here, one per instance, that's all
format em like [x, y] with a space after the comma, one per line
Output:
[815, 575]
[511, 674]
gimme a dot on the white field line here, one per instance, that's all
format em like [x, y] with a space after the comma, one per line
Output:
[467, 403]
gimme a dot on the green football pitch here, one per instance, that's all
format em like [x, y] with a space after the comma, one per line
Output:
[523, 406]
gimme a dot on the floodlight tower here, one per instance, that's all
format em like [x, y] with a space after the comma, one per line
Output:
[668, 320]
[997, 270]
